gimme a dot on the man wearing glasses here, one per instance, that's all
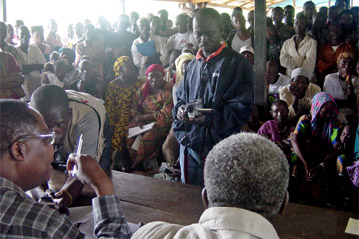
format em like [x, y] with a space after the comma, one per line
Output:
[223, 80]
[26, 154]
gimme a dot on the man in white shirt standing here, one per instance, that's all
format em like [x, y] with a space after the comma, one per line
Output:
[300, 50]
[31, 61]
[246, 178]
[142, 56]
[183, 37]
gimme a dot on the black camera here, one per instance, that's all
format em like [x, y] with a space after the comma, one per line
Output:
[195, 108]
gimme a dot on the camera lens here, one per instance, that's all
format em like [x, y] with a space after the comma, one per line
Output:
[190, 108]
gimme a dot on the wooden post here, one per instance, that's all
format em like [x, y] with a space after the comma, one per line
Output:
[260, 53]
[3, 12]
[123, 6]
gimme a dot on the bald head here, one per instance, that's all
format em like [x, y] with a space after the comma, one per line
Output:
[48, 98]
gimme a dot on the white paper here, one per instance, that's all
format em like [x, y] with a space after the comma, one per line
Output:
[136, 144]
[80, 214]
[84, 216]
[137, 130]
[352, 227]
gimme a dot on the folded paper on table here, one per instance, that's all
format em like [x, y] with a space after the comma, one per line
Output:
[352, 227]
[137, 130]
[147, 48]
[84, 217]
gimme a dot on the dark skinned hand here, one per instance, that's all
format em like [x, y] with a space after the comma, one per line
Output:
[139, 120]
[181, 113]
[201, 119]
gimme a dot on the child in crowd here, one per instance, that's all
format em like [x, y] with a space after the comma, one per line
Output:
[254, 123]
[54, 56]
[48, 76]
[278, 130]
[88, 82]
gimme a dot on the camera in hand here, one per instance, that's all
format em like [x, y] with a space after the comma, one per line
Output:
[195, 108]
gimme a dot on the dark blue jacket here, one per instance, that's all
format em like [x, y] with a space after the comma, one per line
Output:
[225, 83]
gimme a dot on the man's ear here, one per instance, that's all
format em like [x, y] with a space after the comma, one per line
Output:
[17, 151]
[204, 198]
[285, 203]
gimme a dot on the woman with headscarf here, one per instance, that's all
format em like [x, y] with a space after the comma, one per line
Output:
[152, 103]
[170, 148]
[118, 100]
[314, 141]
[181, 64]
[344, 86]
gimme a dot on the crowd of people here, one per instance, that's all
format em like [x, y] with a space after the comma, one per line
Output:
[186, 88]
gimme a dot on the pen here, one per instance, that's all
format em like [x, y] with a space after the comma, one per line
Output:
[78, 154]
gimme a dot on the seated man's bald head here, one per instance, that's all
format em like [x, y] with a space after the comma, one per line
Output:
[53, 103]
[48, 97]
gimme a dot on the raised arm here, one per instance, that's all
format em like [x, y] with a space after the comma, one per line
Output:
[109, 220]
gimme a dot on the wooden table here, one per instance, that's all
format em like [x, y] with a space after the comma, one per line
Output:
[146, 199]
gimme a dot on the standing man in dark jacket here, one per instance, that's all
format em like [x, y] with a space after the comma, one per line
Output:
[223, 80]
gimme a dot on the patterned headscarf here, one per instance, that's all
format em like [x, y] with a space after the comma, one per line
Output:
[317, 103]
[179, 61]
[345, 55]
[119, 62]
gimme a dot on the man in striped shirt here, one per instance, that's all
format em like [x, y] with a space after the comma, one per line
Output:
[26, 154]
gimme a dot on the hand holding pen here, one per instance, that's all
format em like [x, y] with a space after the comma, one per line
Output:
[78, 154]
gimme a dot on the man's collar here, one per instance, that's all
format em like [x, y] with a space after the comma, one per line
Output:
[6, 183]
[216, 53]
[238, 219]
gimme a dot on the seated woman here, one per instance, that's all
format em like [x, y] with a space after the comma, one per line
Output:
[118, 100]
[152, 103]
[299, 93]
[314, 140]
[88, 82]
[344, 86]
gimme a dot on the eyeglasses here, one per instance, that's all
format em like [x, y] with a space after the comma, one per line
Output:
[50, 138]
